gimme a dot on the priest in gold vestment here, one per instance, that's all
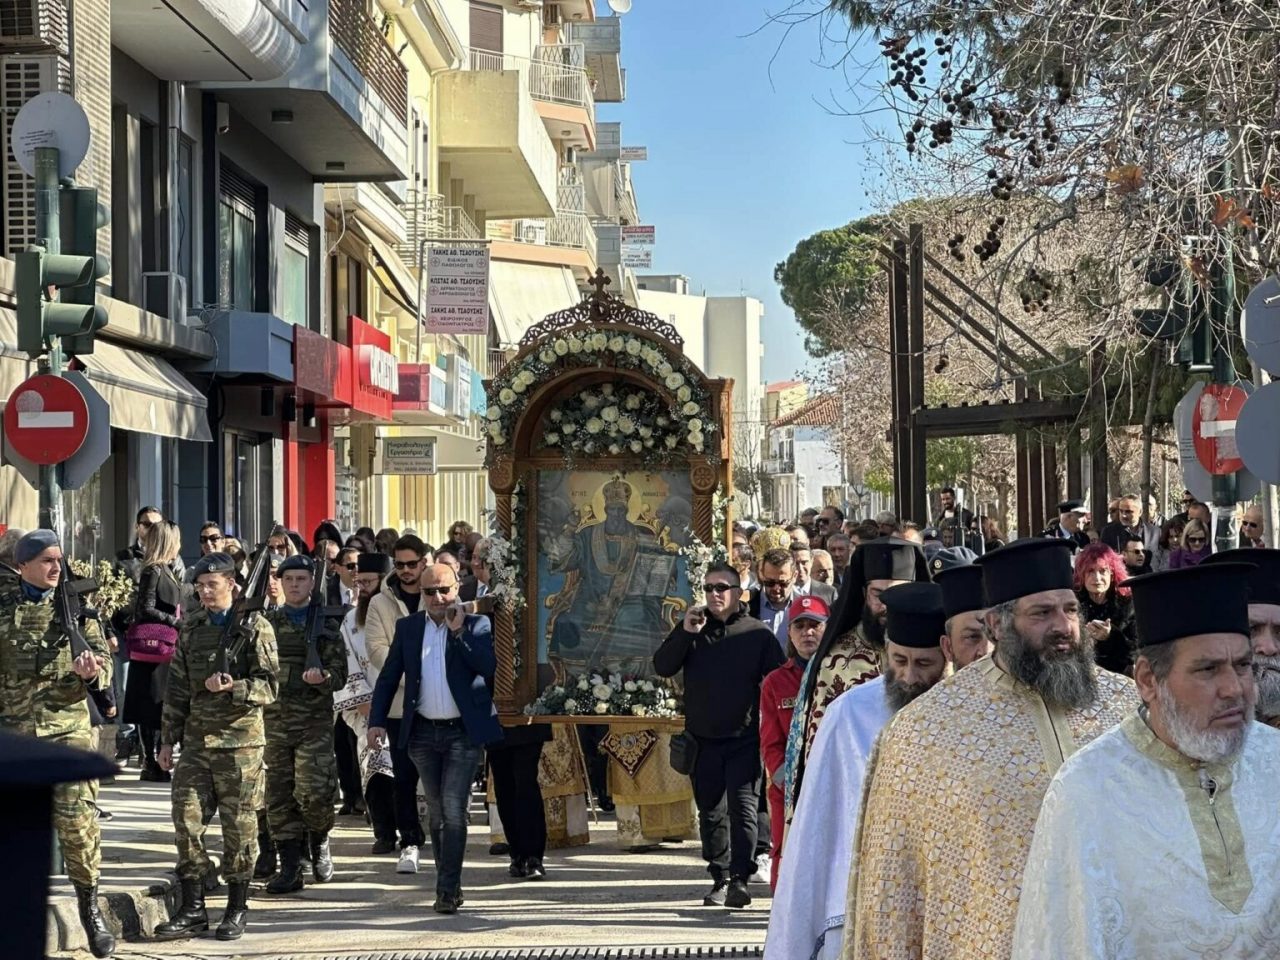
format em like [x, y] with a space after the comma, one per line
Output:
[955, 783]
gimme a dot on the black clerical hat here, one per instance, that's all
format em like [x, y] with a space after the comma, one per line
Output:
[378, 563]
[1207, 598]
[888, 558]
[1027, 566]
[961, 589]
[916, 617]
[1264, 581]
[29, 767]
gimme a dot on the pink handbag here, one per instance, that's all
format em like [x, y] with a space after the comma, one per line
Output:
[151, 642]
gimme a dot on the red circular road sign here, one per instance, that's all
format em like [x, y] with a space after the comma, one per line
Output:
[1213, 427]
[46, 419]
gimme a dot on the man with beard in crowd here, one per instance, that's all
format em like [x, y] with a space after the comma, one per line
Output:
[955, 783]
[964, 638]
[852, 644]
[1264, 624]
[1183, 863]
[808, 907]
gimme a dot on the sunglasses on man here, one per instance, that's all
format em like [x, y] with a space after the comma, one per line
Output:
[211, 538]
[718, 587]
[406, 564]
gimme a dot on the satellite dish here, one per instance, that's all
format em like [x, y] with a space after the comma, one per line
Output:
[619, 6]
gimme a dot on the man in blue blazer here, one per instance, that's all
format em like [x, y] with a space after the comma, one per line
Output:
[447, 662]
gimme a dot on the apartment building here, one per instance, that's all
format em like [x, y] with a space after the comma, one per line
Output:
[276, 171]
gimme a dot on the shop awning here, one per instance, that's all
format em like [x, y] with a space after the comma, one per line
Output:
[392, 273]
[522, 294]
[145, 392]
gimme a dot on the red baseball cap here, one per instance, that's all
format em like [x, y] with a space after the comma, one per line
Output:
[808, 608]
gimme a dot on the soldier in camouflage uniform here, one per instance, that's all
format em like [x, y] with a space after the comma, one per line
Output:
[302, 772]
[217, 717]
[44, 693]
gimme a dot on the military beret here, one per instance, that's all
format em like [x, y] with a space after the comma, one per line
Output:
[213, 563]
[33, 544]
[297, 562]
[950, 557]
[378, 563]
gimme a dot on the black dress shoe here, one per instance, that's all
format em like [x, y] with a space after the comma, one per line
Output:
[383, 846]
[534, 870]
[737, 895]
[347, 809]
[499, 849]
[716, 895]
[447, 903]
[518, 870]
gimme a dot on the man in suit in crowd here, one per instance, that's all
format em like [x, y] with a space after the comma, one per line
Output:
[446, 660]
[805, 585]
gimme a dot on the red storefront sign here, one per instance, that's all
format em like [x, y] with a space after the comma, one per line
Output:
[374, 371]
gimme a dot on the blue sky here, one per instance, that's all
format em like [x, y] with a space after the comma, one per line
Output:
[743, 163]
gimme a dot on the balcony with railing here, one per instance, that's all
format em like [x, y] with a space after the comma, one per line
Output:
[558, 84]
[780, 466]
[569, 238]
[429, 217]
[601, 41]
[341, 111]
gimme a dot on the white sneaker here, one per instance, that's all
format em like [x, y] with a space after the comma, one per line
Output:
[763, 868]
[408, 860]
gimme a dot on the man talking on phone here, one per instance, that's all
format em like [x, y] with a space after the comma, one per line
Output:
[445, 656]
[725, 654]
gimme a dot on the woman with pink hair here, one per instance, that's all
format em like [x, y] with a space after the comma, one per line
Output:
[1105, 606]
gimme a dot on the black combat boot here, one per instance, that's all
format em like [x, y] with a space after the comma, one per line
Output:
[289, 879]
[321, 861]
[101, 942]
[265, 866]
[237, 913]
[190, 918]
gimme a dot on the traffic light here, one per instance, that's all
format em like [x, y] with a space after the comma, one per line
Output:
[39, 316]
[1184, 318]
[83, 217]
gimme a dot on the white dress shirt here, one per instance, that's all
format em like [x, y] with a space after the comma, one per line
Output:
[345, 594]
[435, 701]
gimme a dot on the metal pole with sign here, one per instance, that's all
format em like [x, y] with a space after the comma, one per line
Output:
[1225, 494]
[49, 236]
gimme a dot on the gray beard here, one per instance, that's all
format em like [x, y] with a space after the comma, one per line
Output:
[898, 693]
[1066, 681]
[1267, 672]
[1206, 746]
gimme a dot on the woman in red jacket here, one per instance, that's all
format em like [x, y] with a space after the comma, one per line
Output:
[806, 620]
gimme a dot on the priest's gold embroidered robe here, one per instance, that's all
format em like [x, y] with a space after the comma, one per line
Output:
[949, 812]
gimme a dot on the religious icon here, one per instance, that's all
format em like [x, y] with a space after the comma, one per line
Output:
[611, 580]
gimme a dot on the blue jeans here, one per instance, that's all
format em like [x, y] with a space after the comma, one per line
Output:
[447, 763]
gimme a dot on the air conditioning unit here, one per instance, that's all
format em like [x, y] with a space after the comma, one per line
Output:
[529, 4]
[22, 77]
[34, 26]
[533, 231]
[165, 294]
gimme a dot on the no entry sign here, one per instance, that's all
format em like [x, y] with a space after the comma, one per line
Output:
[1213, 427]
[46, 419]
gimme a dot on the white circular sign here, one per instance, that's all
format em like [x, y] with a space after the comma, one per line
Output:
[1260, 325]
[50, 120]
[1257, 438]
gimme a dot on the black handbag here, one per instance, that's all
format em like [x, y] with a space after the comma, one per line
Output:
[684, 753]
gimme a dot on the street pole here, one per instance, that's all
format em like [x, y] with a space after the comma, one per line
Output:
[1223, 329]
[49, 236]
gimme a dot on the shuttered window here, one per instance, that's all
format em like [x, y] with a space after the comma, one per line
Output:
[486, 27]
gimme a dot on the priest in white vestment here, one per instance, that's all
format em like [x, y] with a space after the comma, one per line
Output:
[1185, 862]
[807, 919]
[1264, 624]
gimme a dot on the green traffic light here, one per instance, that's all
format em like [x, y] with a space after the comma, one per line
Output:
[39, 317]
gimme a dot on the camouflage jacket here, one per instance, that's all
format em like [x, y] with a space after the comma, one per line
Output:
[298, 699]
[40, 693]
[199, 719]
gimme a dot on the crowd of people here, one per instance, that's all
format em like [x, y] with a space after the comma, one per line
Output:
[896, 726]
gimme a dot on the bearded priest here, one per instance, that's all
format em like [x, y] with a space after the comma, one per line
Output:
[807, 919]
[956, 781]
[1183, 865]
[1264, 624]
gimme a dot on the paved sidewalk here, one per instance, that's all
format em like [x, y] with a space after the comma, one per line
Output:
[594, 895]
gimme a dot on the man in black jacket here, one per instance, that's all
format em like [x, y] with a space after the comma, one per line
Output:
[725, 654]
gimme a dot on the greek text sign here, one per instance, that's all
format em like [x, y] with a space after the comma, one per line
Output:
[457, 290]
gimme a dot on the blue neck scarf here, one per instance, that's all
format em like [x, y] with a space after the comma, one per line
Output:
[35, 594]
[297, 615]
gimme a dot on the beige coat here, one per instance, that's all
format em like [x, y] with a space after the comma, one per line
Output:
[380, 629]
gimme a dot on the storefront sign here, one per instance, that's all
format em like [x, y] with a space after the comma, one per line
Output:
[317, 364]
[457, 290]
[633, 154]
[637, 234]
[375, 372]
[637, 257]
[407, 455]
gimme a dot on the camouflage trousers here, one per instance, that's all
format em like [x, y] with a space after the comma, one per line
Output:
[76, 820]
[302, 781]
[226, 782]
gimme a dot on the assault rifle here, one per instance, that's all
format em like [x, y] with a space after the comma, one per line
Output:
[235, 631]
[317, 615]
[68, 610]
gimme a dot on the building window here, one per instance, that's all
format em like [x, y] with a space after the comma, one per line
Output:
[247, 462]
[295, 272]
[237, 229]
